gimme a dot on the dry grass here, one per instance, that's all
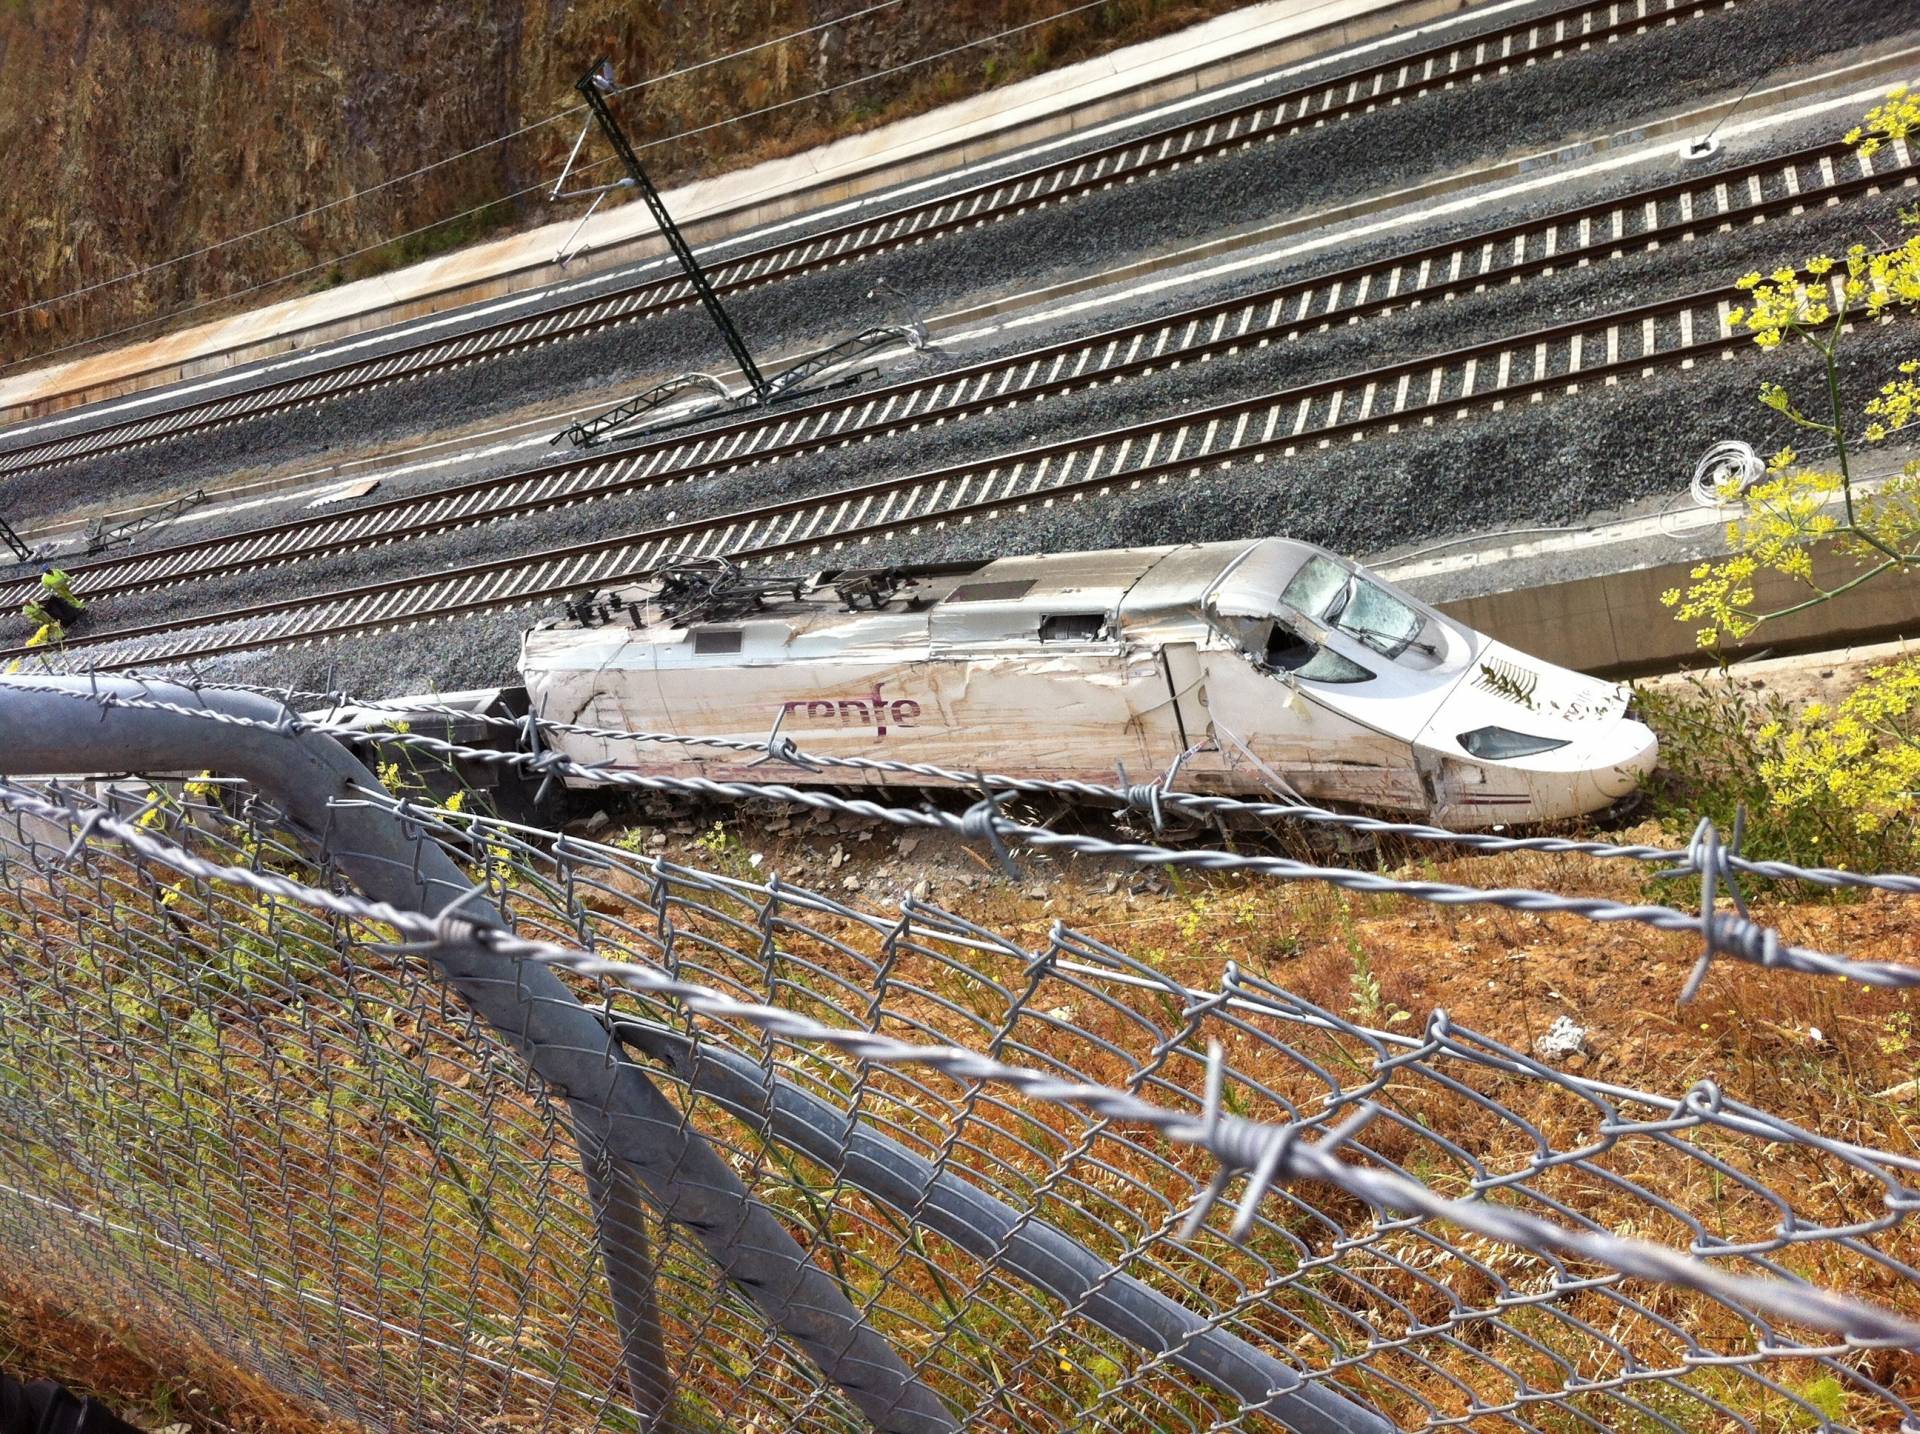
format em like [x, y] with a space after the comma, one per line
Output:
[155, 1377]
[379, 1156]
[1834, 1057]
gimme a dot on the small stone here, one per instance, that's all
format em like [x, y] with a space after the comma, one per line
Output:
[1563, 1039]
[656, 840]
[850, 883]
[755, 860]
[593, 823]
[839, 857]
[1036, 892]
[907, 844]
[921, 890]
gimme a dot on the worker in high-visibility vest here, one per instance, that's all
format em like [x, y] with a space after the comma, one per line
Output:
[57, 585]
[52, 610]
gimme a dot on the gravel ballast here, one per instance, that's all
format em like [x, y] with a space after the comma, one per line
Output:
[1589, 93]
[1429, 328]
[1603, 449]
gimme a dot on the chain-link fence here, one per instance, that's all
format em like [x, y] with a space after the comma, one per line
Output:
[442, 1122]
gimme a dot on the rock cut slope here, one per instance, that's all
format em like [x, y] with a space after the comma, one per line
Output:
[131, 134]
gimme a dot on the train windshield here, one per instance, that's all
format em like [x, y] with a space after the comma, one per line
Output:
[1363, 610]
[1287, 651]
[1276, 647]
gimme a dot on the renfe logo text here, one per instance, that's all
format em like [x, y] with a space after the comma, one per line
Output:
[872, 710]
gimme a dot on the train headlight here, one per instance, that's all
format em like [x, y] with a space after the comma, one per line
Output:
[1502, 744]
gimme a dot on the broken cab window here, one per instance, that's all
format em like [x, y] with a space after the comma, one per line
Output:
[1287, 651]
[1363, 610]
[1275, 647]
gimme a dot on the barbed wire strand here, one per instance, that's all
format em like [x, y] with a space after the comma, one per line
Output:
[1724, 933]
[1264, 1153]
[1139, 797]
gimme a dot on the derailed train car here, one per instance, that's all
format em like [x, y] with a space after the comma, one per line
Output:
[1270, 665]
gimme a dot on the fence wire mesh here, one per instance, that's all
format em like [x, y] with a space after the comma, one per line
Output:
[265, 1122]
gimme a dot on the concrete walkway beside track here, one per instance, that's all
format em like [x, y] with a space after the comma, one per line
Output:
[1061, 105]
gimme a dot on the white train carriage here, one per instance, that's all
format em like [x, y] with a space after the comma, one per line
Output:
[1275, 666]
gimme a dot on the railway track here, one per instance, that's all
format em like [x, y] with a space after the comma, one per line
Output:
[1663, 214]
[1525, 367]
[1450, 65]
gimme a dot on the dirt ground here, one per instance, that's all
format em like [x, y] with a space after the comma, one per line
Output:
[1507, 974]
[1835, 1056]
[164, 1388]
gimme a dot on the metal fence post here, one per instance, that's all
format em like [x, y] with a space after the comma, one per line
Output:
[621, 1221]
[1035, 1251]
[616, 1107]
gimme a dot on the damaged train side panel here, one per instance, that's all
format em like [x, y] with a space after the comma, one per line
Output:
[1262, 666]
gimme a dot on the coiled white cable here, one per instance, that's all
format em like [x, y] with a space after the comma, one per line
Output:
[1728, 462]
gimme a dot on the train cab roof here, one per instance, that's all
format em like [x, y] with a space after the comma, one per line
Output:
[726, 613]
[716, 611]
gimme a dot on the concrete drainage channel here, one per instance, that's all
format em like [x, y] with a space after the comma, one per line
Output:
[1613, 624]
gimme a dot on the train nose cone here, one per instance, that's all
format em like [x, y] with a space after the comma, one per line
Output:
[1628, 757]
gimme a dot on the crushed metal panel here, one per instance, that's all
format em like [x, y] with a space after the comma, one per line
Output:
[359, 488]
[1175, 583]
[971, 686]
[1250, 586]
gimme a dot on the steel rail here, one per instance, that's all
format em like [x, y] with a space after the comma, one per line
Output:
[1392, 82]
[1666, 333]
[1494, 257]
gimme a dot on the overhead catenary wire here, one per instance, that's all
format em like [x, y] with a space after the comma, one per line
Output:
[281, 278]
[530, 189]
[441, 163]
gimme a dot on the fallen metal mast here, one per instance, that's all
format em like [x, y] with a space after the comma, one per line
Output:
[14, 541]
[594, 86]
